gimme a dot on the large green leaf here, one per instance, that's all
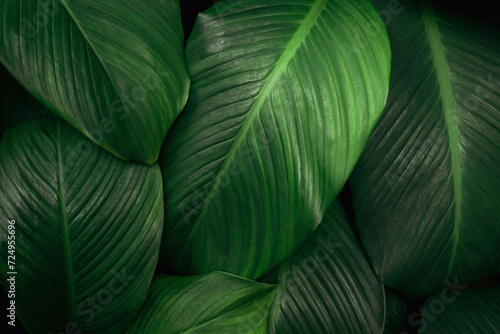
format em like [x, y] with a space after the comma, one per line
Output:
[87, 229]
[114, 70]
[426, 190]
[329, 286]
[283, 98]
[462, 312]
[326, 287]
[214, 303]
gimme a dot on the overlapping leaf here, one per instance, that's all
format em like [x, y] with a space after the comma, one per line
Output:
[113, 70]
[327, 287]
[87, 229]
[214, 303]
[426, 190]
[284, 96]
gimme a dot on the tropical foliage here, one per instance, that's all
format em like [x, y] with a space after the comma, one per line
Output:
[285, 166]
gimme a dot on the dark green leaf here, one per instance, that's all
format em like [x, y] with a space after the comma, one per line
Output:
[87, 229]
[113, 70]
[426, 190]
[284, 96]
[329, 286]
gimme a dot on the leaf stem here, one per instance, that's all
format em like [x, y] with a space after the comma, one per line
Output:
[68, 260]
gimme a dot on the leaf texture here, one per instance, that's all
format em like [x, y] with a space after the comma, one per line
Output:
[329, 286]
[283, 97]
[113, 70]
[425, 190]
[87, 229]
[326, 287]
[213, 303]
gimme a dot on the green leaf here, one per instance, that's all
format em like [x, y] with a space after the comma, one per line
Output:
[326, 287]
[211, 303]
[283, 98]
[114, 71]
[462, 312]
[87, 229]
[425, 190]
[329, 286]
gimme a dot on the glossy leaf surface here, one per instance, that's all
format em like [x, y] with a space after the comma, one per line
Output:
[329, 286]
[113, 70]
[87, 229]
[284, 96]
[425, 191]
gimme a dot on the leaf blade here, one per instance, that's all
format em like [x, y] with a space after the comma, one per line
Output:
[425, 184]
[216, 302]
[83, 243]
[326, 287]
[329, 286]
[261, 142]
[123, 96]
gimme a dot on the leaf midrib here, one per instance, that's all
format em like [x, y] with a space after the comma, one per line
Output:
[116, 92]
[450, 114]
[289, 52]
[68, 259]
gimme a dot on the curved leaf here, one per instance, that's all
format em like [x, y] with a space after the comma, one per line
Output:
[283, 98]
[469, 312]
[215, 303]
[329, 286]
[425, 190]
[87, 229]
[113, 70]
